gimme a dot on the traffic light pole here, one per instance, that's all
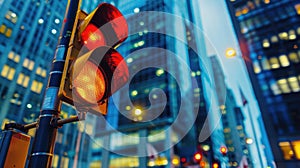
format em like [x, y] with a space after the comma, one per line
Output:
[43, 146]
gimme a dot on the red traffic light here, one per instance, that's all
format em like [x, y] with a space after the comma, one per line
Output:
[93, 79]
[223, 150]
[96, 70]
[197, 156]
[104, 26]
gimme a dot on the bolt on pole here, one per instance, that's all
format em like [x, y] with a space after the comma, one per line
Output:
[44, 141]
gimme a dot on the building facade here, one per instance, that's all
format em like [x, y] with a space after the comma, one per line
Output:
[232, 120]
[268, 34]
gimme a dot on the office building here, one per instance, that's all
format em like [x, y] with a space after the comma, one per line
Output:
[268, 34]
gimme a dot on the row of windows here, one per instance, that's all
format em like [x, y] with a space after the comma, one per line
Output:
[265, 19]
[29, 64]
[284, 86]
[23, 80]
[275, 62]
[5, 30]
[290, 35]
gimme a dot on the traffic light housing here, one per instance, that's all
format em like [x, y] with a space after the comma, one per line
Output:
[94, 70]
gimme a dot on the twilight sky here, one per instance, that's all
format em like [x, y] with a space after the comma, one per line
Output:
[219, 31]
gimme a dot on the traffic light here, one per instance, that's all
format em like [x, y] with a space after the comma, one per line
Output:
[223, 150]
[198, 157]
[94, 70]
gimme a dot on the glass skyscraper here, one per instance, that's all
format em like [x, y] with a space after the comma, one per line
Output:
[268, 33]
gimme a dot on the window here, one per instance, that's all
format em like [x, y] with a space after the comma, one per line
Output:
[265, 64]
[8, 32]
[2, 29]
[23, 80]
[265, 43]
[286, 149]
[11, 16]
[284, 86]
[36, 86]
[256, 67]
[14, 57]
[294, 57]
[284, 61]
[294, 84]
[274, 39]
[297, 8]
[296, 146]
[292, 35]
[8, 72]
[275, 89]
[274, 63]
[283, 36]
[28, 64]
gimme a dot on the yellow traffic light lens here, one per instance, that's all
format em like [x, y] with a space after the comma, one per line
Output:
[90, 84]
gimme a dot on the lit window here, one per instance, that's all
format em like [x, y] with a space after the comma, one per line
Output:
[8, 33]
[275, 89]
[26, 81]
[298, 30]
[31, 65]
[274, 63]
[294, 57]
[283, 36]
[297, 8]
[292, 35]
[274, 39]
[286, 149]
[296, 146]
[11, 74]
[284, 61]
[294, 84]
[284, 86]
[44, 73]
[11, 55]
[20, 79]
[266, 43]
[36, 86]
[256, 67]
[2, 29]
[4, 70]
[39, 70]
[25, 63]
[226, 130]
[17, 58]
[265, 64]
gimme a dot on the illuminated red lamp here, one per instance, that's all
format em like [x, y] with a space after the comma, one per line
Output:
[98, 74]
[104, 26]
